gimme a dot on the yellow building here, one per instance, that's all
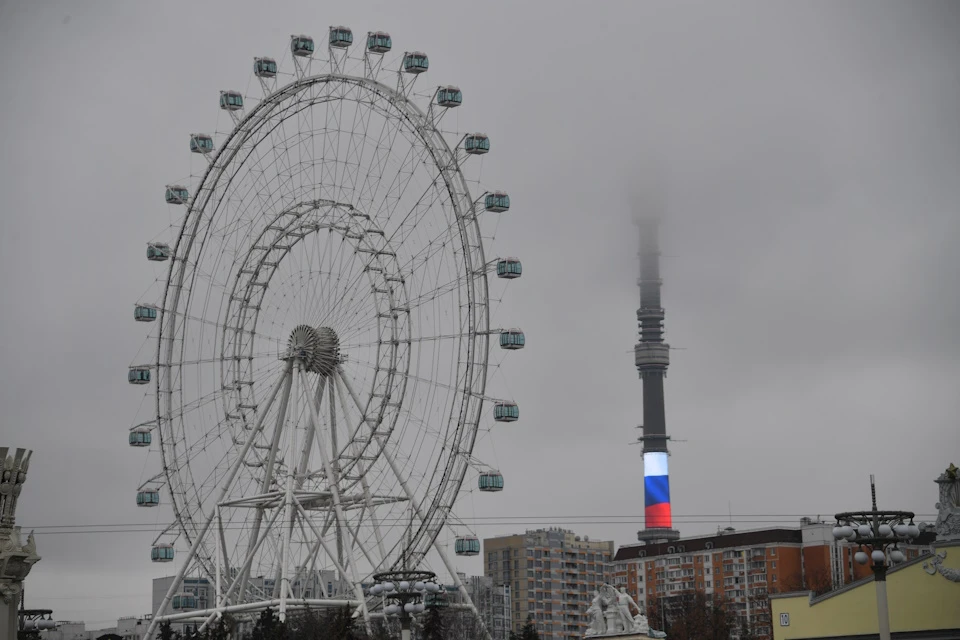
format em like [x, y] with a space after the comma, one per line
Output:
[922, 604]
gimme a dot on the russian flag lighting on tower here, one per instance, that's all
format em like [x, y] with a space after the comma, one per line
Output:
[656, 490]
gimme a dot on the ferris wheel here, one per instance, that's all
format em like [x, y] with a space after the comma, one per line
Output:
[323, 337]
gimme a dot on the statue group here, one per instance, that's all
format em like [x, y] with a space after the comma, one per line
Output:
[611, 614]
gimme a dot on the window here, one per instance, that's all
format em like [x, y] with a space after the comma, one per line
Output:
[774, 565]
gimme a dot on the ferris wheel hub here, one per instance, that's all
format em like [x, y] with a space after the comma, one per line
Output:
[318, 349]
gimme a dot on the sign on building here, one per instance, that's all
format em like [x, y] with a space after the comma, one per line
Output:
[784, 619]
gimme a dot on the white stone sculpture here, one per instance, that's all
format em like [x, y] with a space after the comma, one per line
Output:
[611, 614]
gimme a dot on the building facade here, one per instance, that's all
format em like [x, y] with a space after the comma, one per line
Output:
[552, 575]
[742, 568]
[66, 630]
[923, 596]
[492, 601]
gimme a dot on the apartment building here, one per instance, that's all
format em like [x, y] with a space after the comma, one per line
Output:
[552, 573]
[743, 567]
[491, 599]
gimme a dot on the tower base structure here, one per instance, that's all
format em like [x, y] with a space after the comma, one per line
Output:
[656, 535]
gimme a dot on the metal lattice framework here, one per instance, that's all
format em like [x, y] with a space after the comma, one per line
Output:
[323, 337]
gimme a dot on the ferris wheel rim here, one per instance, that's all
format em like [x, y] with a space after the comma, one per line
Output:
[479, 323]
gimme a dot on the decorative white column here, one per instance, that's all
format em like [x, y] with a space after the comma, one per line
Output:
[16, 556]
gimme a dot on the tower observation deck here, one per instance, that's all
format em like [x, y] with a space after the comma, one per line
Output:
[652, 357]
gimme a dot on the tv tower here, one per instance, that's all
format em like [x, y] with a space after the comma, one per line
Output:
[652, 357]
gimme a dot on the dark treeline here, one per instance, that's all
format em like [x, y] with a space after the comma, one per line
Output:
[340, 624]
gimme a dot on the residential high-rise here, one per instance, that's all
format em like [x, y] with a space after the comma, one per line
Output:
[492, 601]
[742, 567]
[652, 357]
[553, 574]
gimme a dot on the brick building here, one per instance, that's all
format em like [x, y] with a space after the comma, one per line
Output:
[744, 567]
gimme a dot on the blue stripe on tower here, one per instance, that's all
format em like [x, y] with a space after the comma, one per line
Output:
[656, 490]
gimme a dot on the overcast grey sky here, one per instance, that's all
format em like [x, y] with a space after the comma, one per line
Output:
[806, 157]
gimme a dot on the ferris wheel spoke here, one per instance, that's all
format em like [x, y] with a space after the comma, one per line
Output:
[378, 165]
[357, 148]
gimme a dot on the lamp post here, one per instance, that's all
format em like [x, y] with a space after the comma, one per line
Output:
[403, 593]
[877, 532]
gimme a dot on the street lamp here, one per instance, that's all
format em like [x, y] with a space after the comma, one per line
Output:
[875, 533]
[403, 593]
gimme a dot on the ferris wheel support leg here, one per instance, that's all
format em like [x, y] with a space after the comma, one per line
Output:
[357, 589]
[308, 442]
[416, 506]
[221, 556]
[224, 602]
[363, 479]
[268, 471]
[289, 513]
[177, 581]
[334, 464]
[338, 509]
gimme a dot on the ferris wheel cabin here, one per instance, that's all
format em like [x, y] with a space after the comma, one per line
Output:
[512, 339]
[341, 37]
[141, 437]
[301, 46]
[476, 144]
[161, 553]
[467, 546]
[449, 96]
[231, 100]
[265, 67]
[148, 498]
[144, 313]
[138, 375]
[509, 268]
[158, 251]
[415, 62]
[184, 601]
[201, 143]
[490, 481]
[497, 202]
[506, 412]
[177, 194]
[379, 42]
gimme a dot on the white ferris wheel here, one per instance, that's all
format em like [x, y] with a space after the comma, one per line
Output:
[323, 334]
